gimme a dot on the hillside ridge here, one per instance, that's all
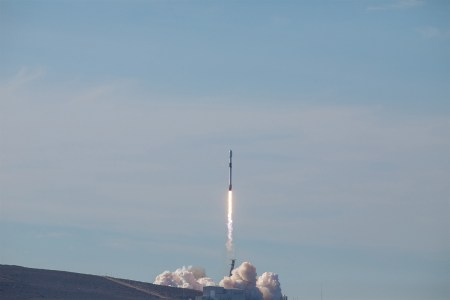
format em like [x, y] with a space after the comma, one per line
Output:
[17, 282]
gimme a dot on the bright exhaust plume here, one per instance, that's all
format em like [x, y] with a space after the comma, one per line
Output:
[229, 243]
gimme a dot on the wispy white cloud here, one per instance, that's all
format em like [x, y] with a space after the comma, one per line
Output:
[431, 32]
[397, 4]
[23, 77]
[280, 21]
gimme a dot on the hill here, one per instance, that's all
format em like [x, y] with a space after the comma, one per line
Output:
[27, 283]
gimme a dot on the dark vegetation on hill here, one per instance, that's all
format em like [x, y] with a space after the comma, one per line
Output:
[26, 283]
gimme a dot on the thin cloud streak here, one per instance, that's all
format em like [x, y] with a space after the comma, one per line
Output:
[23, 77]
[432, 32]
[397, 5]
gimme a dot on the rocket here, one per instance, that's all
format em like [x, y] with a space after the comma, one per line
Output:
[230, 166]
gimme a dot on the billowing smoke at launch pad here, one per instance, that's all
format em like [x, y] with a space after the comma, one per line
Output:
[265, 287]
[185, 277]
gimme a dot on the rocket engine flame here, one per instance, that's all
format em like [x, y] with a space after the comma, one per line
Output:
[229, 243]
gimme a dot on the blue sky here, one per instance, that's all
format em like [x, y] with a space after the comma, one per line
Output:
[116, 119]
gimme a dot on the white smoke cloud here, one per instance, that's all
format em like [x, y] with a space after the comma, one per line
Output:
[189, 278]
[265, 287]
[269, 285]
[244, 277]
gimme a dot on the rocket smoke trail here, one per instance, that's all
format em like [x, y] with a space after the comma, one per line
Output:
[230, 222]
[229, 243]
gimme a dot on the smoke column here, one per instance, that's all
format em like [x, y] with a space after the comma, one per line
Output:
[230, 223]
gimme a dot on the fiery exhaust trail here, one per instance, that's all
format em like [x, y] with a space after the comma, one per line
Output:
[230, 222]
[230, 209]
